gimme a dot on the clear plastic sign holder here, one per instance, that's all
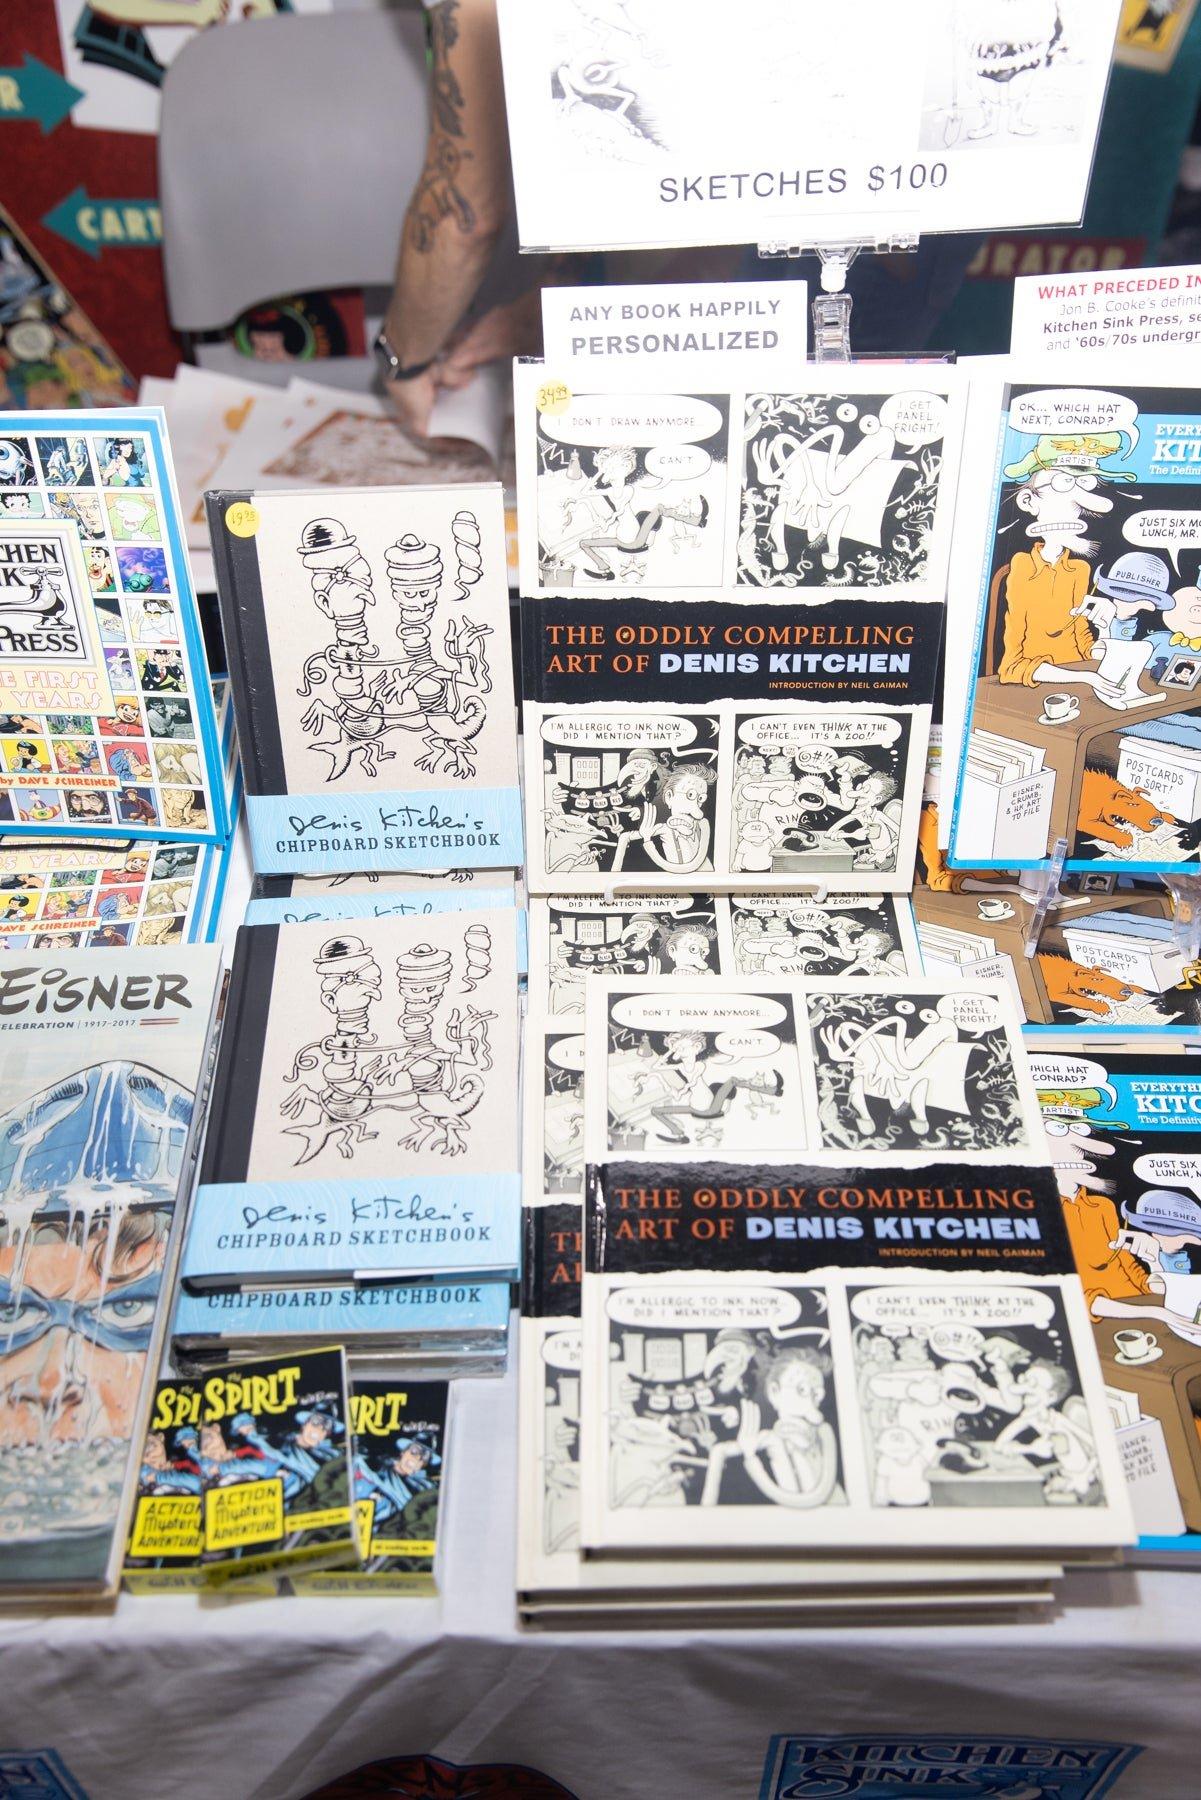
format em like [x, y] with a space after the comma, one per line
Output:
[831, 309]
[1041, 888]
[1186, 921]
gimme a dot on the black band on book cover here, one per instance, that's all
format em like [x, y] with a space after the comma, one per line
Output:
[244, 622]
[550, 1276]
[236, 1090]
[845, 652]
[791, 1218]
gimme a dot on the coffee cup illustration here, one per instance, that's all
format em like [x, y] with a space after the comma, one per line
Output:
[1134, 1346]
[1058, 708]
[995, 909]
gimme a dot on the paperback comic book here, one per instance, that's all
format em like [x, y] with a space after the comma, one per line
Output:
[271, 1443]
[399, 1460]
[1082, 722]
[363, 1116]
[371, 669]
[841, 488]
[102, 1054]
[726, 746]
[107, 721]
[166, 1536]
[760, 1372]
[1125, 1141]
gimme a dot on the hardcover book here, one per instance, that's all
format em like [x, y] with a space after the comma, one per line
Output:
[102, 1055]
[371, 668]
[1082, 720]
[738, 745]
[745, 1386]
[363, 1115]
[108, 723]
[1124, 1132]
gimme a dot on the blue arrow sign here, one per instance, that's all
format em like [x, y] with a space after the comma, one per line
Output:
[36, 92]
[96, 225]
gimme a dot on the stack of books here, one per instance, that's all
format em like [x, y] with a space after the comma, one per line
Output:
[814, 1343]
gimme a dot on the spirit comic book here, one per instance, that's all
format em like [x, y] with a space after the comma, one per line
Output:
[726, 745]
[399, 1440]
[761, 1372]
[840, 488]
[371, 669]
[364, 1117]
[270, 1442]
[1124, 1133]
[102, 1054]
[1082, 724]
[107, 719]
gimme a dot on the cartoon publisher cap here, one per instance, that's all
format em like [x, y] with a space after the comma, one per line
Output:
[432, 1459]
[325, 536]
[332, 1424]
[1162, 1209]
[1137, 576]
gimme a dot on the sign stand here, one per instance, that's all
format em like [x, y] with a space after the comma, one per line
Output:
[831, 309]
[1041, 886]
[1186, 918]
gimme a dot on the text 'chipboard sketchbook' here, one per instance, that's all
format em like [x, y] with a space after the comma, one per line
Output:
[363, 1117]
[372, 676]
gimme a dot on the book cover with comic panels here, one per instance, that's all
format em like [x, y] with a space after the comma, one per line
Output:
[107, 719]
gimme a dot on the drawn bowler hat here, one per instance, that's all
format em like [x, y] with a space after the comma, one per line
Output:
[339, 955]
[325, 535]
[1137, 576]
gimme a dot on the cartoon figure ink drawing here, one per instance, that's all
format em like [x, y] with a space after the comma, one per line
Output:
[433, 1075]
[376, 693]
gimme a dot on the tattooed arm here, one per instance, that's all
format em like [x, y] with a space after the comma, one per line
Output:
[459, 207]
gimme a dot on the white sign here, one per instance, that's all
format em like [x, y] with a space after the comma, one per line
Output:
[755, 330]
[1122, 309]
[651, 122]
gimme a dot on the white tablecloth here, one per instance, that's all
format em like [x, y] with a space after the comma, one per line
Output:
[166, 1698]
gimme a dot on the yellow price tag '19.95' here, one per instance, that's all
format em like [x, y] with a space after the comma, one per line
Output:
[242, 519]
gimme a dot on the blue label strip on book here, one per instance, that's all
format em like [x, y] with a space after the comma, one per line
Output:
[321, 833]
[343, 1313]
[428, 1225]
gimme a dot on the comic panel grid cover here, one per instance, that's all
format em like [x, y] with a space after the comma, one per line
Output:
[1082, 724]
[107, 720]
[903, 1068]
[372, 676]
[840, 488]
[103, 1054]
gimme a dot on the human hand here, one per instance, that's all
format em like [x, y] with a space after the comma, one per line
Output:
[413, 401]
[514, 329]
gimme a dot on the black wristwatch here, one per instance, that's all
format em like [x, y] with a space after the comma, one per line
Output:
[390, 366]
